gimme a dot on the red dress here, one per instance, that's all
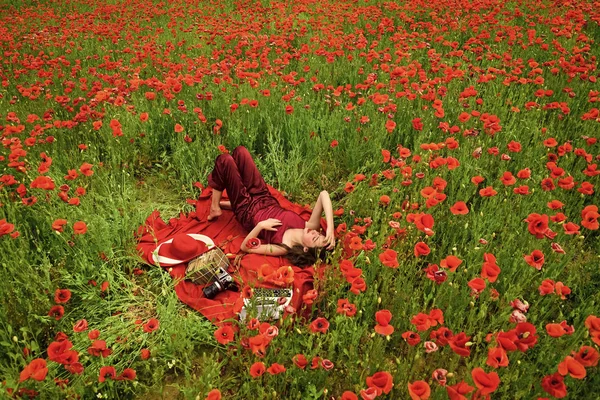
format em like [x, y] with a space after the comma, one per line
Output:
[250, 198]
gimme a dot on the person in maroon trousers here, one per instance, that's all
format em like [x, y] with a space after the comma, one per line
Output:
[280, 232]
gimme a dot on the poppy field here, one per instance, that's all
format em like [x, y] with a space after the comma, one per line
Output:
[458, 141]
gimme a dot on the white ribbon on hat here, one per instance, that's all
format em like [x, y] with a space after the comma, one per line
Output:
[161, 261]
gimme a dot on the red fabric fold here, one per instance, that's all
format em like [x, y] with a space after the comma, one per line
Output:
[228, 234]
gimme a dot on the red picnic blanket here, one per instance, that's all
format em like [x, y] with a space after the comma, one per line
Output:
[227, 234]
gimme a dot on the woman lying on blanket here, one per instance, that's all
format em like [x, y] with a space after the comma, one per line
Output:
[280, 231]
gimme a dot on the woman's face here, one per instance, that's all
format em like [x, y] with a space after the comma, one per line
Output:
[312, 238]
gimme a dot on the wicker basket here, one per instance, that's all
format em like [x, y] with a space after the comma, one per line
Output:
[202, 270]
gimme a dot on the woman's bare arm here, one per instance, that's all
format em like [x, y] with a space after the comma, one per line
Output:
[267, 249]
[323, 204]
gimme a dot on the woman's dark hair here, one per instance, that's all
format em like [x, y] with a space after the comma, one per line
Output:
[300, 258]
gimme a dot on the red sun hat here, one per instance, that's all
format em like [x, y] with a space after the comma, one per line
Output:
[181, 249]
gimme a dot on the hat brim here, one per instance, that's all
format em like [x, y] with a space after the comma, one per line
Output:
[162, 261]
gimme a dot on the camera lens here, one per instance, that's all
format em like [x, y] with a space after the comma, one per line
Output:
[212, 290]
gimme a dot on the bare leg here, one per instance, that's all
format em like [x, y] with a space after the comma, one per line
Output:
[225, 205]
[215, 207]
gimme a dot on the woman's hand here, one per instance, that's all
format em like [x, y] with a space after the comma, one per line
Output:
[330, 237]
[269, 224]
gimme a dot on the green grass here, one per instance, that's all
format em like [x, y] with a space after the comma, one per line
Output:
[194, 56]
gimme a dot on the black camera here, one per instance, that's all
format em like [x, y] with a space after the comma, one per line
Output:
[223, 281]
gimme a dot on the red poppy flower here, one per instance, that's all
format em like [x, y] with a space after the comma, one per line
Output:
[459, 208]
[99, 349]
[56, 312]
[457, 392]
[460, 344]
[224, 334]
[417, 124]
[151, 325]
[390, 126]
[537, 224]
[319, 325]
[554, 385]
[497, 357]
[145, 354]
[441, 336]
[253, 243]
[79, 228]
[555, 330]
[369, 393]
[327, 364]
[411, 338]
[86, 169]
[384, 200]
[59, 224]
[105, 372]
[476, 180]
[557, 248]
[421, 249]
[526, 335]
[514, 147]
[419, 390]
[276, 369]
[524, 173]
[214, 394]
[488, 192]
[358, 285]
[451, 262]
[436, 316]
[421, 321]
[522, 190]
[93, 334]
[571, 228]
[546, 287]
[589, 217]
[258, 344]
[36, 370]
[80, 326]
[571, 366]
[348, 395]
[310, 296]
[477, 285]
[439, 375]
[389, 258]
[346, 308]
[257, 369]
[383, 318]
[562, 290]
[586, 188]
[535, 259]
[490, 271]
[386, 155]
[62, 295]
[300, 361]
[587, 356]
[508, 179]
[558, 218]
[382, 381]
[485, 382]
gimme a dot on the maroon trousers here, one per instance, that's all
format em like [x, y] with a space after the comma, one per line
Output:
[246, 188]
